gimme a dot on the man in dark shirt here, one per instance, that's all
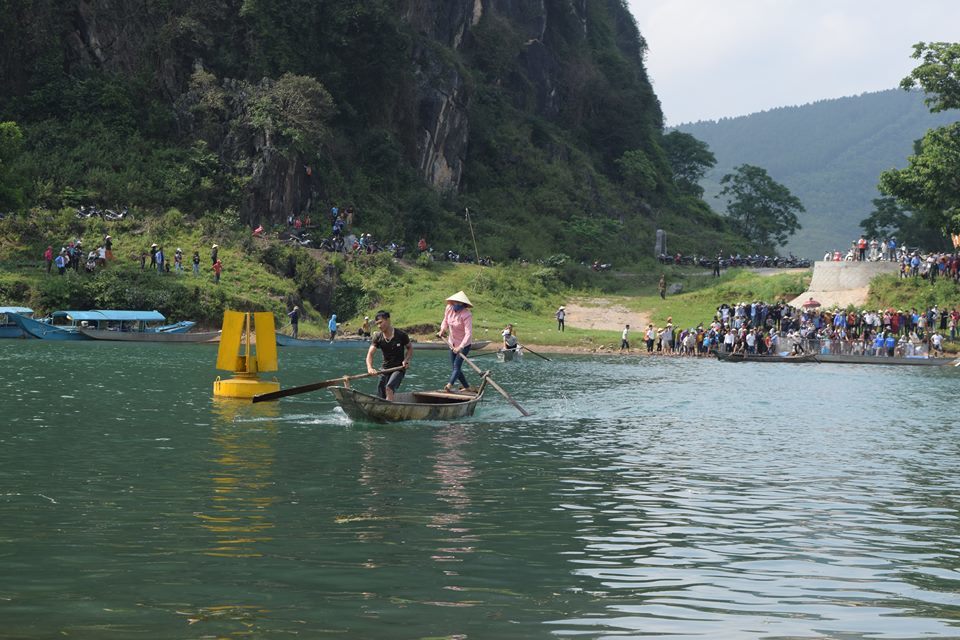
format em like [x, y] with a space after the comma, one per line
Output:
[397, 352]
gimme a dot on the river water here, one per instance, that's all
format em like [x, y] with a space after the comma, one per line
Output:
[645, 498]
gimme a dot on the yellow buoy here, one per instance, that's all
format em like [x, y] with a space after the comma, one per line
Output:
[236, 340]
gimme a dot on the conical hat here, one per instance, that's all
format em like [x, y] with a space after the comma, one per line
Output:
[460, 296]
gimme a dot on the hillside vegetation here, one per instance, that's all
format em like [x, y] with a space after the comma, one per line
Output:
[829, 154]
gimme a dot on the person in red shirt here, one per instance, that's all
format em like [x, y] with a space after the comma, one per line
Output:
[217, 268]
[48, 256]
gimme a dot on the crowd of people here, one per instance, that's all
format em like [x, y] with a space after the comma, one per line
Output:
[913, 263]
[72, 256]
[768, 328]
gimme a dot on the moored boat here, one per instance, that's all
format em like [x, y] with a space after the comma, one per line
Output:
[910, 361]
[8, 327]
[415, 405]
[753, 357]
[151, 336]
[348, 343]
[66, 325]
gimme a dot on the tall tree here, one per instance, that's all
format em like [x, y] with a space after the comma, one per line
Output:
[11, 185]
[764, 210]
[690, 160]
[931, 180]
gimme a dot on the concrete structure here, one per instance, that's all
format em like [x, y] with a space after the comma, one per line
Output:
[843, 283]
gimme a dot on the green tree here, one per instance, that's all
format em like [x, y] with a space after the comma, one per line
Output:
[11, 185]
[886, 219]
[930, 180]
[292, 112]
[938, 75]
[690, 160]
[639, 174]
[763, 210]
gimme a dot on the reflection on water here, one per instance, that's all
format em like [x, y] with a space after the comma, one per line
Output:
[644, 498]
[243, 435]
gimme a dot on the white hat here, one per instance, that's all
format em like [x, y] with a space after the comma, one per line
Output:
[216, 246]
[460, 296]
[366, 317]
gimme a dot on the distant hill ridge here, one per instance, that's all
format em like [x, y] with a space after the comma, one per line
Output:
[828, 153]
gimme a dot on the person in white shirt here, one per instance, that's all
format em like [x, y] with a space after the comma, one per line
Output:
[624, 344]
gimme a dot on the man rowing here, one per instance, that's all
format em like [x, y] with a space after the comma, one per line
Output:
[397, 352]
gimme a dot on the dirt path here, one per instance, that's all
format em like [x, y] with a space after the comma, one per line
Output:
[603, 314]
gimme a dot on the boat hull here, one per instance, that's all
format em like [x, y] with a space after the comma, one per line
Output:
[748, 357]
[917, 361]
[151, 336]
[288, 341]
[45, 331]
[429, 405]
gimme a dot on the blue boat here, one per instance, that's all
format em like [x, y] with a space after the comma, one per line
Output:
[8, 327]
[66, 325]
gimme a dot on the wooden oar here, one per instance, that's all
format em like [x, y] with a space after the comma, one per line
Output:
[496, 386]
[526, 348]
[313, 386]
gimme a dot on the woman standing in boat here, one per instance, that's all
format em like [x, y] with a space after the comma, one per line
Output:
[458, 322]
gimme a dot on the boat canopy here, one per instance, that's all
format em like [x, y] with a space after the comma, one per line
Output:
[111, 315]
[24, 311]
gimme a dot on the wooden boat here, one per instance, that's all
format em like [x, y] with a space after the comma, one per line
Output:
[509, 355]
[438, 345]
[416, 405]
[66, 325]
[349, 343]
[913, 361]
[151, 336]
[9, 328]
[752, 357]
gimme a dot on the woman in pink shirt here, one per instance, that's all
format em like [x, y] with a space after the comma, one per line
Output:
[458, 321]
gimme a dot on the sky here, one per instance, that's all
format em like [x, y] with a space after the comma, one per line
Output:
[710, 59]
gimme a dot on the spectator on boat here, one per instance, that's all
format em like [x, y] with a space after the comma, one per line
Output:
[509, 338]
[217, 270]
[397, 352]
[561, 315]
[458, 323]
[196, 263]
[332, 326]
[294, 321]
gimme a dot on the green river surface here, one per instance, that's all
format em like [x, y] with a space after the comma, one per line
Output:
[646, 497]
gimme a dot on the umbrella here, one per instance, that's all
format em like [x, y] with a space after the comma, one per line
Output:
[810, 304]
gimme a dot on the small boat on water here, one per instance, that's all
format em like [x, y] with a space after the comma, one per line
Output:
[151, 336]
[8, 327]
[509, 355]
[348, 343]
[416, 405]
[66, 325]
[753, 357]
[910, 361]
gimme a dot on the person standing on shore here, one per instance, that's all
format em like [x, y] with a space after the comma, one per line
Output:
[217, 270]
[458, 323]
[294, 321]
[561, 314]
[624, 344]
[397, 352]
[332, 326]
[662, 286]
[651, 335]
[48, 256]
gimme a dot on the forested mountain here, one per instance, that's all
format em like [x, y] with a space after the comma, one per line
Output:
[536, 114]
[829, 154]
